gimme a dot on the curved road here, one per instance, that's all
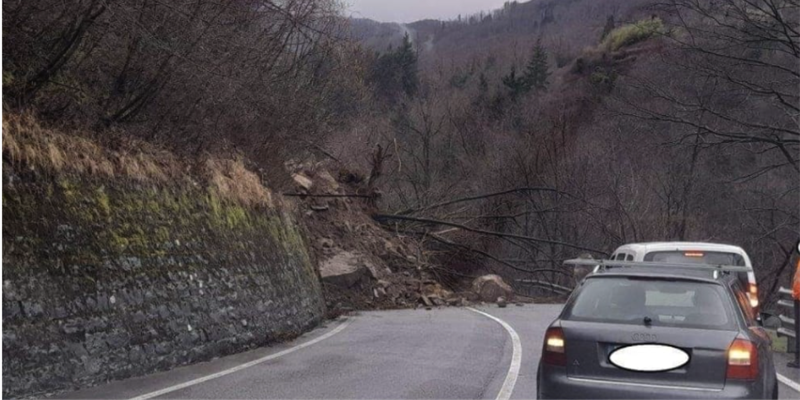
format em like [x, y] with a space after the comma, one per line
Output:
[452, 353]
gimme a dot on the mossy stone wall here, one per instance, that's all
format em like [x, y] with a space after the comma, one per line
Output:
[104, 280]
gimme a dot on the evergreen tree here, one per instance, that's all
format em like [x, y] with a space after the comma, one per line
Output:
[537, 72]
[406, 60]
[386, 77]
[395, 71]
[515, 84]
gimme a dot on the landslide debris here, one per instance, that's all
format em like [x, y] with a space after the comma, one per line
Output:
[362, 265]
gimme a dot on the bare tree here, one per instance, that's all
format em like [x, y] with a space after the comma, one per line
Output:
[731, 78]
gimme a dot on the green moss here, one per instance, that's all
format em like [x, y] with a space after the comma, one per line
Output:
[215, 204]
[103, 201]
[109, 219]
[633, 33]
[68, 189]
[116, 242]
[161, 234]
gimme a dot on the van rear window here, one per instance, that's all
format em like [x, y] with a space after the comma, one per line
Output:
[696, 257]
[677, 303]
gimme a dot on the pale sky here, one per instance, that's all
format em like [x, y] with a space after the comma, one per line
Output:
[414, 10]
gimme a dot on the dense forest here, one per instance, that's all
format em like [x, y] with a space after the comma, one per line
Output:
[505, 141]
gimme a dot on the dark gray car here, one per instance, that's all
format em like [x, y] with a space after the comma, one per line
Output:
[645, 333]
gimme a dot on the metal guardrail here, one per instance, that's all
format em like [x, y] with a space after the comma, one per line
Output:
[787, 314]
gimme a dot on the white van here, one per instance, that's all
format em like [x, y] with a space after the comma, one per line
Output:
[690, 253]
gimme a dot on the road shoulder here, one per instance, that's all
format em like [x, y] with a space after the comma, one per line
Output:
[153, 383]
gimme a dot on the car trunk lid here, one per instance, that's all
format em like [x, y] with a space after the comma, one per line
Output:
[589, 345]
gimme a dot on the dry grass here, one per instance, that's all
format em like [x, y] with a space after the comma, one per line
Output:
[231, 179]
[26, 142]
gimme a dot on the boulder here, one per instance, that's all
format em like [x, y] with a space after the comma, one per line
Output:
[491, 287]
[328, 179]
[454, 301]
[434, 289]
[343, 269]
[501, 302]
[302, 181]
[437, 301]
[347, 268]
[376, 271]
[426, 301]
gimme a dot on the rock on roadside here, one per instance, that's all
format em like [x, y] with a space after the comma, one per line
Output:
[492, 287]
[346, 269]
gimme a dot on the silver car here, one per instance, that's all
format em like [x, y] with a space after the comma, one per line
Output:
[657, 333]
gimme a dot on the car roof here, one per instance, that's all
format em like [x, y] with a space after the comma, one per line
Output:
[662, 274]
[682, 246]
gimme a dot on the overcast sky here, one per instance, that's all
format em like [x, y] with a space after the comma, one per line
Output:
[414, 10]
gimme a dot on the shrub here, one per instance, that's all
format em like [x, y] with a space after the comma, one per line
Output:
[633, 33]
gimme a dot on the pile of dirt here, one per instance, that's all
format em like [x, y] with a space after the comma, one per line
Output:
[362, 265]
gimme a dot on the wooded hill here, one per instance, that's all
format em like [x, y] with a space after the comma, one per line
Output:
[505, 141]
[647, 120]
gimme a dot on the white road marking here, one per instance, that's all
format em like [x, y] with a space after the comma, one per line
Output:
[516, 357]
[790, 383]
[242, 366]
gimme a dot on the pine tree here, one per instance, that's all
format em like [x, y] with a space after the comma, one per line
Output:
[537, 71]
[406, 59]
[515, 84]
[395, 72]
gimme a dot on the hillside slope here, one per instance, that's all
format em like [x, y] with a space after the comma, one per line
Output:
[531, 134]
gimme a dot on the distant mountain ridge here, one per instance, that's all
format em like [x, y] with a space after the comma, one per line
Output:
[573, 23]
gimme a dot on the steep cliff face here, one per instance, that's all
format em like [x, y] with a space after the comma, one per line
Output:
[109, 274]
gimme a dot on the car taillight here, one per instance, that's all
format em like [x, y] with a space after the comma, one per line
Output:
[554, 344]
[742, 360]
[752, 294]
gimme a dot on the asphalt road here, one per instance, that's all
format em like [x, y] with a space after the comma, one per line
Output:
[451, 353]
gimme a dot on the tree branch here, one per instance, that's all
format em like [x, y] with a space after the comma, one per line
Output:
[382, 218]
[483, 196]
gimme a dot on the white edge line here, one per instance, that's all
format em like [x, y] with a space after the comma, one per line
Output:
[516, 357]
[788, 382]
[242, 366]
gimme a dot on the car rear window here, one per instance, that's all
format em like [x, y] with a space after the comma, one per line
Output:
[695, 257]
[676, 303]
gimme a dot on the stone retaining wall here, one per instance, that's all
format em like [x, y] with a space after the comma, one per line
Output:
[104, 280]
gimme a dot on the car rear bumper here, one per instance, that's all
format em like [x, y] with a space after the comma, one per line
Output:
[553, 383]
